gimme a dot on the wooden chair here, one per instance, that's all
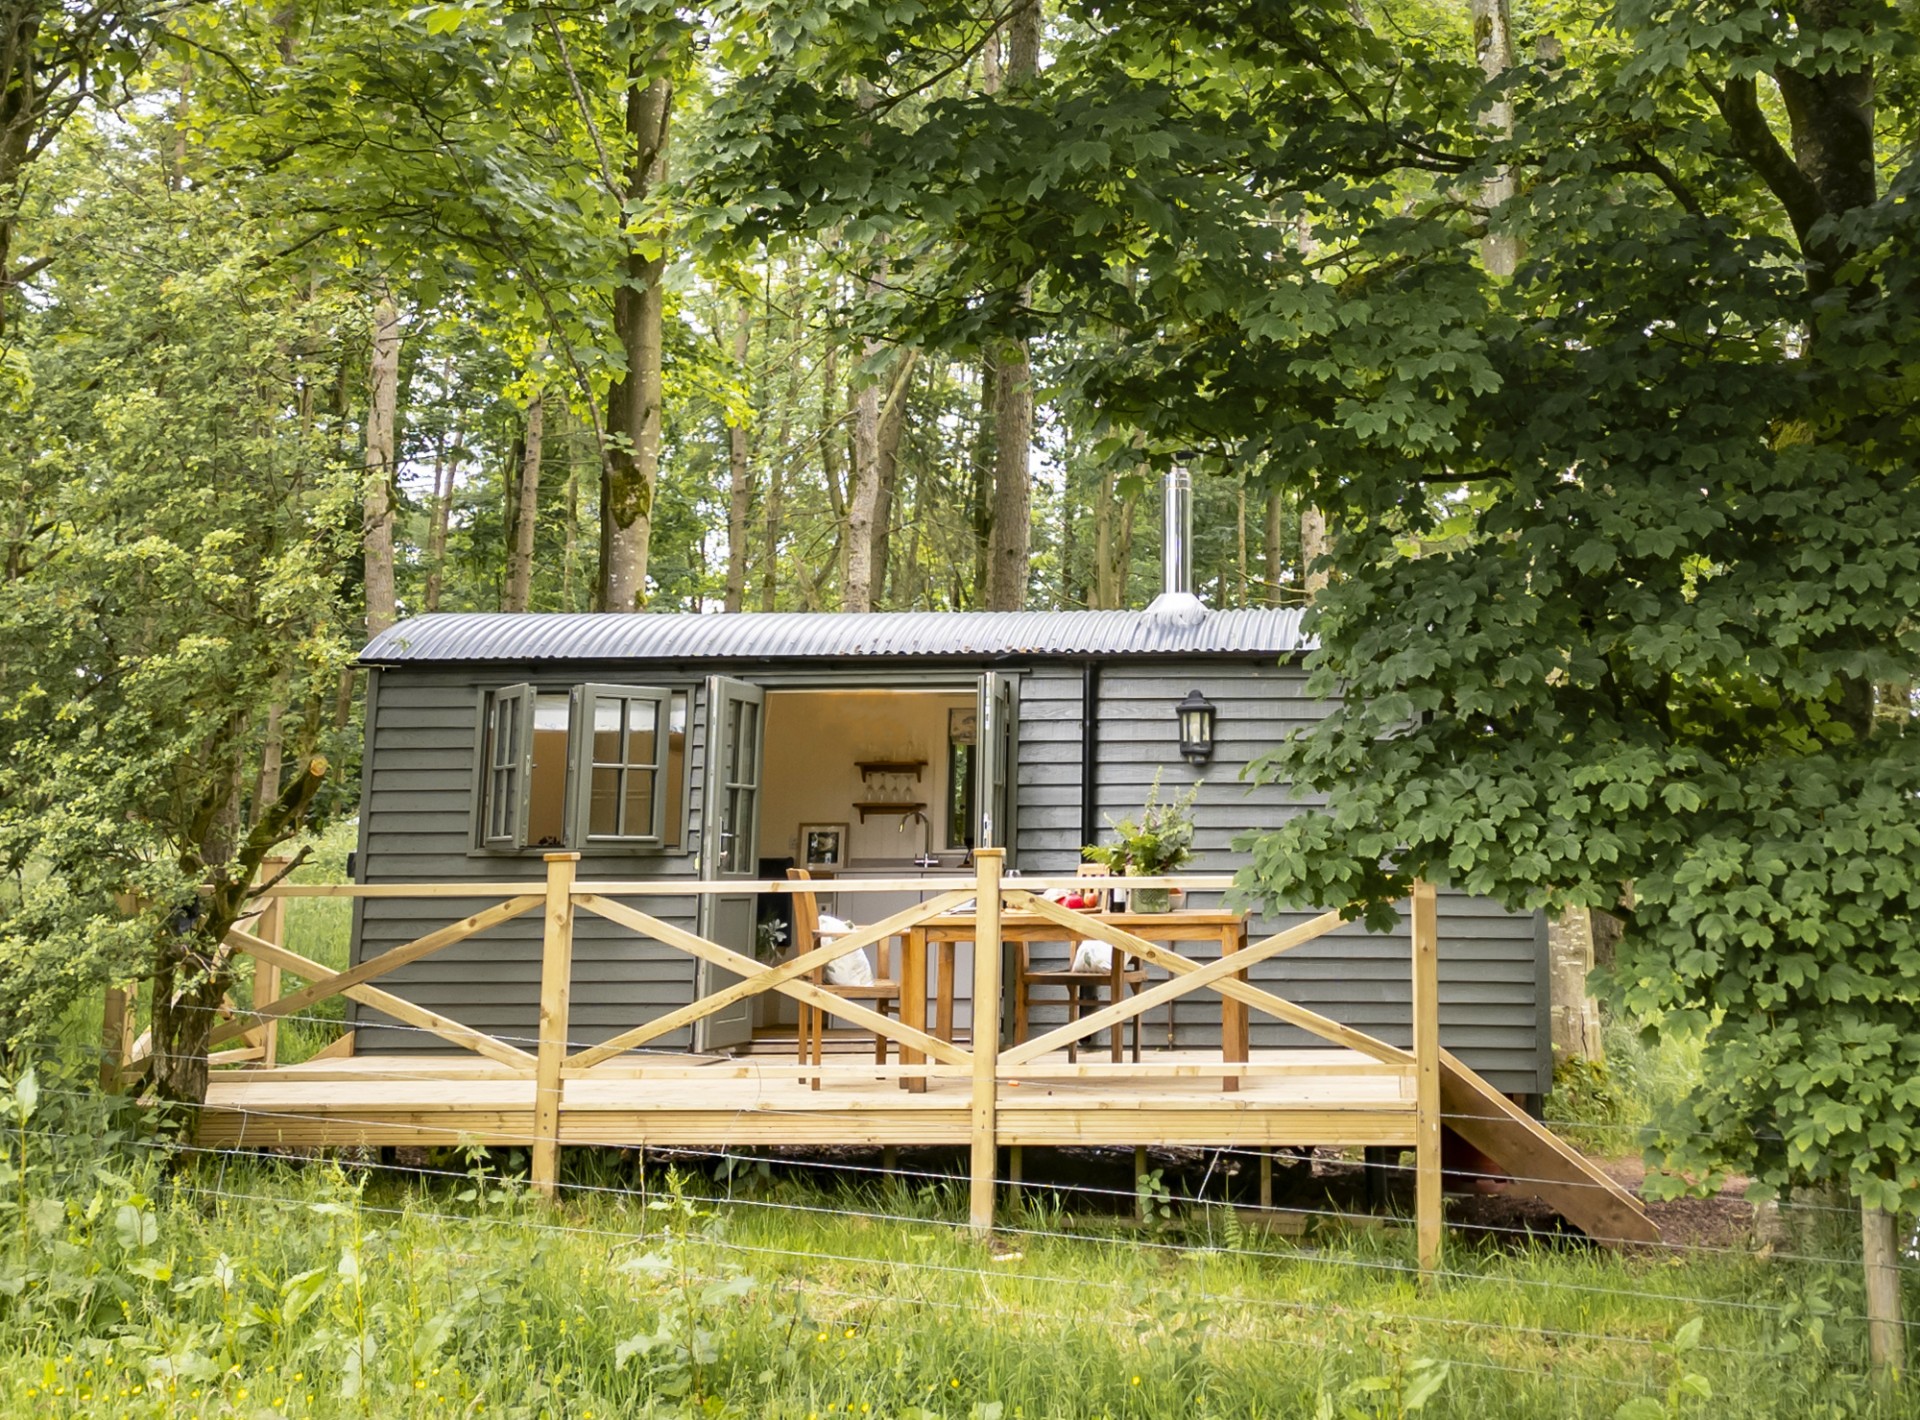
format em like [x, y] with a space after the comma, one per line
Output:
[1125, 974]
[813, 1020]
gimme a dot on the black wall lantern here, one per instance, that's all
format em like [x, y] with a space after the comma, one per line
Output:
[1195, 714]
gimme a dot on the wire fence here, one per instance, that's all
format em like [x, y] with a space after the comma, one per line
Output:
[834, 1171]
[1034, 1221]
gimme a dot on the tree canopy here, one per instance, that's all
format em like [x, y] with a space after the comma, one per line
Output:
[1575, 343]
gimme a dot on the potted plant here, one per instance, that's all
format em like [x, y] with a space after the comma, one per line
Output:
[1152, 845]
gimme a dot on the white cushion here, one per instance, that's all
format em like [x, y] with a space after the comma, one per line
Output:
[1093, 956]
[853, 969]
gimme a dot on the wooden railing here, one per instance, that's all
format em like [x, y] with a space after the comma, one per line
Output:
[983, 1062]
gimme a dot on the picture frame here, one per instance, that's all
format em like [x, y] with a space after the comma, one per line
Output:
[823, 845]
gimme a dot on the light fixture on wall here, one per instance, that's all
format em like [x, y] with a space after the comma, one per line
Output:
[1195, 714]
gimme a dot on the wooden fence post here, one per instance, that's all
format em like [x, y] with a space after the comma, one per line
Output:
[272, 927]
[986, 1034]
[116, 1034]
[1886, 1345]
[1426, 1054]
[121, 1007]
[556, 986]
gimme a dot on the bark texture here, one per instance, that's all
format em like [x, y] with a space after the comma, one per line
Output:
[740, 473]
[1010, 536]
[1493, 44]
[526, 509]
[634, 402]
[856, 592]
[1113, 517]
[383, 389]
[1273, 548]
[437, 518]
[1313, 546]
[193, 966]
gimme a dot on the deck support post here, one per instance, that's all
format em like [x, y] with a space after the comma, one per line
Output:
[556, 989]
[1426, 1053]
[1266, 1179]
[272, 927]
[986, 1035]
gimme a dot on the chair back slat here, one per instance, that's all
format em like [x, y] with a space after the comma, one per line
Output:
[806, 914]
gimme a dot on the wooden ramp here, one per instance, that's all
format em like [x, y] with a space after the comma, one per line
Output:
[1539, 1161]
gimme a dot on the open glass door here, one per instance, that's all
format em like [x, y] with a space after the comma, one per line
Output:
[730, 845]
[995, 762]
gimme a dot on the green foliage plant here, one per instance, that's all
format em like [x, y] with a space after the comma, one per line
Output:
[181, 538]
[1156, 842]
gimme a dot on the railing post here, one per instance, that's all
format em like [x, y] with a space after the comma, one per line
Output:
[556, 983]
[272, 927]
[1426, 1055]
[986, 1033]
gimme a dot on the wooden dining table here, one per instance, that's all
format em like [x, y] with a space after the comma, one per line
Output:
[946, 932]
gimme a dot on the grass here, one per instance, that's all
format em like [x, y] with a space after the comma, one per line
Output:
[202, 1285]
[142, 1282]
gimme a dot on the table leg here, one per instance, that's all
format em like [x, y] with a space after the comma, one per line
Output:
[949, 956]
[913, 999]
[1117, 1032]
[1233, 1015]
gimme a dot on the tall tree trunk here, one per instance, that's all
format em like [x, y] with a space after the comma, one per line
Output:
[1112, 544]
[740, 484]
[1240, 542]
[776, 470]
[1010, 542]
[893, 425]
[570, 562]
[1313, 546]
[856, 589]
[526, 508]
[980, 469]
[1273, 548]
[1493, 43]
[272, 749]
[383, 386]
[438, 514]
[830, 467]
[634, 402]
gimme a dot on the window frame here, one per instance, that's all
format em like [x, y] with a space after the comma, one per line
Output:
[510, 708]
[584, 701]
[483, 844]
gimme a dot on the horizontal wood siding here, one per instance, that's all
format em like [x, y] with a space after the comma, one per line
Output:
[1492, 1003]
[417, 826]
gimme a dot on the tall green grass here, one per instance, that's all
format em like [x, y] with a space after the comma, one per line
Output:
[1603, 1106]
[247, 1287]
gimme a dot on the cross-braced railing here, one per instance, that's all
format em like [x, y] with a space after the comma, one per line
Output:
[985, 1063]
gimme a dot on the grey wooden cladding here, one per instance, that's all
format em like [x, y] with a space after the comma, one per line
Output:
[1493, 1008]
[417, 826]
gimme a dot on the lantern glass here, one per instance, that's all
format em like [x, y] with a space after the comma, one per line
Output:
[1195, 715]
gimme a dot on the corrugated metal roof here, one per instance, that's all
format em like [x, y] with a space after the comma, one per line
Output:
[985, 635]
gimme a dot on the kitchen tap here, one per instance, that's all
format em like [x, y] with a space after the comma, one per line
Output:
[926, 858]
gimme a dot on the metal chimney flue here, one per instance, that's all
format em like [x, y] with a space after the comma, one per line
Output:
[1176, 561]
[1176, 602]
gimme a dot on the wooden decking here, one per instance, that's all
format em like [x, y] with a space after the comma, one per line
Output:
[1331, 1097]
[627, 1091]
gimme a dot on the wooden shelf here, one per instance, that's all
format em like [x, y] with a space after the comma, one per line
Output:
[887, 808]
[890, 766]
